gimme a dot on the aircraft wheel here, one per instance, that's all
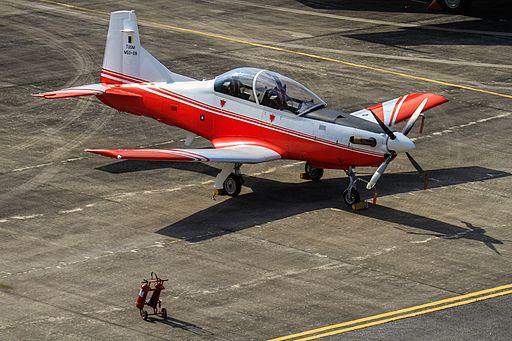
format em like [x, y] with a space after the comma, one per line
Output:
[351, 197]
[232, 185]
[164, 313]
[313, 173]
[454, 6]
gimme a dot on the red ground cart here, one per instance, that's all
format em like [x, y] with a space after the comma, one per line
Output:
[154, 285]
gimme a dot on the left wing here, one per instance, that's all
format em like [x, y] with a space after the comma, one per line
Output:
[233, 154]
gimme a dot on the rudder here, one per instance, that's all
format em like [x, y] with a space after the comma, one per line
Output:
[125, 60]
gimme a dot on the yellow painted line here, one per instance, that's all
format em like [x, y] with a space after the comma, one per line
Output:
[298, 53]
[421, 312]
[416, 310]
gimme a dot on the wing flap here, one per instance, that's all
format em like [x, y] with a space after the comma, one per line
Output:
[399, 109]
[235, 154]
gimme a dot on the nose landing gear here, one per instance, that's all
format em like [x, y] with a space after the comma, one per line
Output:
[351, 194]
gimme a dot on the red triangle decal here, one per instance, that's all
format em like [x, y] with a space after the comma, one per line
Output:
[222, 103]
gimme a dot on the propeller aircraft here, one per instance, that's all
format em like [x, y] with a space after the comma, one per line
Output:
[249, 115]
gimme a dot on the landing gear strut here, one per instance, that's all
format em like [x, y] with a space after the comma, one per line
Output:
[229, 181]
[351, 195]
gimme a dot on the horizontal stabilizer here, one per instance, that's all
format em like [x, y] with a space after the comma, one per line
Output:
[401, 108]
[87, 90]
[84, 90]
[234, 154]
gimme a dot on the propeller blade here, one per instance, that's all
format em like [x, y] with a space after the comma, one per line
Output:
[419, 169]
[414, 117]
[378, 173]
[414, 163]
[383, 126]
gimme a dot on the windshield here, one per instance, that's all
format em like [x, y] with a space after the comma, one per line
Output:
[279, 92]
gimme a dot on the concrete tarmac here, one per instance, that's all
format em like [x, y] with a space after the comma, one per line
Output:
[78, 232]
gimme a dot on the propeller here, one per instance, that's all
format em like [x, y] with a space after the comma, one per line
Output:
[415, 164]
[383, 126]
[407, 129]
[378, 173]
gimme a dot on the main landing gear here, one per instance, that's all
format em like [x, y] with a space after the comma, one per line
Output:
[229, 181]
[312, 173]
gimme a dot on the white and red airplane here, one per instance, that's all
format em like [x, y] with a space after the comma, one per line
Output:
[250, 115]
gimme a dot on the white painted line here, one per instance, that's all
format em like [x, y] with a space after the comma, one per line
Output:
[73, 210]
[451, 129]
[18, 217]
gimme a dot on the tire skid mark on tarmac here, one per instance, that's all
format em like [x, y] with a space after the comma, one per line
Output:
[82, 62]
[47, 173]
[76, 57]
[73, 52]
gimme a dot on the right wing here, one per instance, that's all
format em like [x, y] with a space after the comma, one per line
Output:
[396, 110]
[232, 154]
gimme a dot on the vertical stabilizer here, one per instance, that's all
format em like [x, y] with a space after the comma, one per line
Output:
[125, 60]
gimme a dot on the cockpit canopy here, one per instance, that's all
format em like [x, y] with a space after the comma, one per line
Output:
[269, 89]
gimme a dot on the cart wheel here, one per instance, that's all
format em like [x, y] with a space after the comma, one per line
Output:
[164, 313]
[145, 315]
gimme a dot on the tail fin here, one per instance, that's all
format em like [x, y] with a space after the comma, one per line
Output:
[125, 60]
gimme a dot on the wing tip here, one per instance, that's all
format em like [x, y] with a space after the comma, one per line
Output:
[44, 95]
[438, 99]
[433, 99]
[104, 152]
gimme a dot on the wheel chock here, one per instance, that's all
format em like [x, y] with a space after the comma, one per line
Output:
[360, 205]
[304, 176]
[218, 191]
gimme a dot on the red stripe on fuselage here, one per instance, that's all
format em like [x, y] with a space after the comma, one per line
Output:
[259, 122]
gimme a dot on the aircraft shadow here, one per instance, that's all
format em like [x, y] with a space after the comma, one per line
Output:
[416, 36]
[128, 166]
[432, 227]
[478, 9]
[273, 200]
[495, 17]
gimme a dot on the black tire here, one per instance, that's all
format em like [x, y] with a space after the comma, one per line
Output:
[455, 6]
[232, 185]
[164, 313]
[145, 315]
[351, 197]
[313, 173]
